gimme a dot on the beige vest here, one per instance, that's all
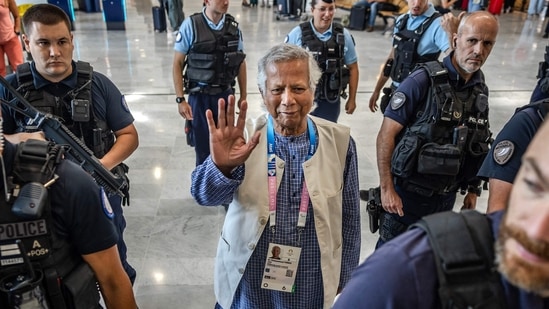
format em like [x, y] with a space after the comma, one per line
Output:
[249, 212]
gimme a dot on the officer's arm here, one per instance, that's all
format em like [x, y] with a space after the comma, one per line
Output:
[242, 79]
[385, 145]
[114, 283]
[125, 144]
[177, 73]
[499, 191]
[353, 85]
[381, 81]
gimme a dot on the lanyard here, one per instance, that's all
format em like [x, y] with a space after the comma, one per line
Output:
[271, 173]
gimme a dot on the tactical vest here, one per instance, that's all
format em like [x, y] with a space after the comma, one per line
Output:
[463, 250]
[446, 144]
[33, 258]
[214, 59]
[405, 43]
[75, 109]
[330, 57]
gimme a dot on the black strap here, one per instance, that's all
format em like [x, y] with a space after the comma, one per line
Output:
[463, 244]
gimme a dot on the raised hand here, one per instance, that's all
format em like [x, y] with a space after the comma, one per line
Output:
[228, 147]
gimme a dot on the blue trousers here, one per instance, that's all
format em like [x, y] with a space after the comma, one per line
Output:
[415, 207]
[120, 224]
[327, 110]
[200, 103]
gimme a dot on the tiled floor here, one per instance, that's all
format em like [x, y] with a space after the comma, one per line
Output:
[172, 240]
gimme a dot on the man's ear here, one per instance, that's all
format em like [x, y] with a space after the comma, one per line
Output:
[25, 41]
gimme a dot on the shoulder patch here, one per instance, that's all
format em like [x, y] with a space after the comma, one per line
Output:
[397, 100]
[106, 205]
[178, 37]
[503, 152]
[124, 104]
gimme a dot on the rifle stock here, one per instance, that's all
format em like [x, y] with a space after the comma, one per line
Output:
[55, 131]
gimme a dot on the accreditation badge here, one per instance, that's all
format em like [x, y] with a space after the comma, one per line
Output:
[281, 268]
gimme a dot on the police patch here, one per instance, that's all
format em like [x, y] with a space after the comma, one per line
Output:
[106, 205]
[503, 152]
[397, 100]
[124, 104]
[178, 37]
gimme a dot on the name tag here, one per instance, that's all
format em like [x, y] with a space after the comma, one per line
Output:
[281, 268]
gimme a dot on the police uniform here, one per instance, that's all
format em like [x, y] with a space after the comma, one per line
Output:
[109, 106]
[413, 283]
[404, 108]
[434, 38]
[324, 108]
[200, 102]
[81, 214]
[504, 159]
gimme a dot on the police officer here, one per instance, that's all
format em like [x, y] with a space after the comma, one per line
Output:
[504, 159]
[422, 163]
[418, 37]
[334, 50]
[57, 243]
[88, 102]
[209, 46]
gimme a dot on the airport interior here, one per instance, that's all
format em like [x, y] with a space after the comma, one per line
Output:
[171, 239]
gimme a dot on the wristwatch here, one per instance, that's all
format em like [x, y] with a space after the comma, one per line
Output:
[179, 99]
[474, 189]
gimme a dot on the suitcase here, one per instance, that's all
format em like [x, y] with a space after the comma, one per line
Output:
[159, 18]
[357, 20]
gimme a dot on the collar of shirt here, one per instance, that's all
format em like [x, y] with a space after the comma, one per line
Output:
[40, 82]
[322, 36]
[211, 24]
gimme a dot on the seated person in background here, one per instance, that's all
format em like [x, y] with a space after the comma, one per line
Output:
[374, 7]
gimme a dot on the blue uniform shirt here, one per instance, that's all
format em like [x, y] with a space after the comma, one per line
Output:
[185, 36]
[349, 51]
[504, 159]
[402, 274]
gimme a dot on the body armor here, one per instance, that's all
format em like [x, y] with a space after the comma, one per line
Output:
[36, 266]
[74, 109]
[330, 57]
[405, 43]
[444, 147]
[214, 59]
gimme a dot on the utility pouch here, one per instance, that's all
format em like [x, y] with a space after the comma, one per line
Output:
[404, 159]
[80, 288]
[438, 159]
[234, 59]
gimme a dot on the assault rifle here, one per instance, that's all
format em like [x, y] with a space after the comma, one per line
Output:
[75, 149]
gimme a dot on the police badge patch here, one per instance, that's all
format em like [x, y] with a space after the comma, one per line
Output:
[178, 37]
[397, 100]
[106, 204]
[503, 152]
[125, 104]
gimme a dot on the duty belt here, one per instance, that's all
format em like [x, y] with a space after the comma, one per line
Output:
[209, 89]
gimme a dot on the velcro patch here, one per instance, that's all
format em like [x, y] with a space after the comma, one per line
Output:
[397, 100]
[503, 152]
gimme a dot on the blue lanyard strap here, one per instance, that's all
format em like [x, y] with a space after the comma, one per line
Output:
[271, 173]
